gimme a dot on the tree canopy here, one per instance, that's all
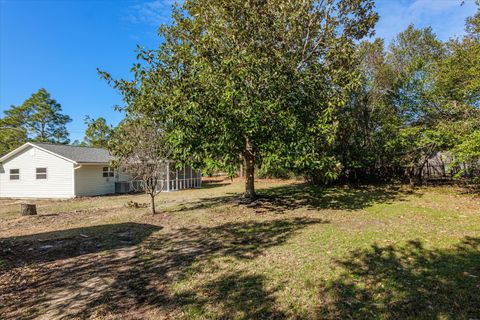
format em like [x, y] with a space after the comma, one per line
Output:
[39, 118]
[253, 80]
[296, 85]
[418, 97]
[98, 132]
[141, 150]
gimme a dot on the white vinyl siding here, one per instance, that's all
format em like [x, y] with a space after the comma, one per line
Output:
[58, 184]
[122, 176]
[89, 181]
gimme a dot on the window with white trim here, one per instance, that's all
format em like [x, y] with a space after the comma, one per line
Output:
[14, 174]
[108, 172]
[41, 173]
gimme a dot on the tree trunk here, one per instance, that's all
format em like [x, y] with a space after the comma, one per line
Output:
[411, 176]
[152, 203]
[27, 209]
[249, 157]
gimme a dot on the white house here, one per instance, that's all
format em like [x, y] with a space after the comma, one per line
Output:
[43, 170]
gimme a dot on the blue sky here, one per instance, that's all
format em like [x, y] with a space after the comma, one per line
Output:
[59, 44]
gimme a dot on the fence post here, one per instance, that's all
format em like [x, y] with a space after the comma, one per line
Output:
[191, 177]
[176, 179]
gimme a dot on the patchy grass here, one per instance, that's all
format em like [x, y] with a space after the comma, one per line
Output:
[298, 252]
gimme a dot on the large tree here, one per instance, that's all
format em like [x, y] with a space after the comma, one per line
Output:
[45, 121]
[255, 80]
[39, 118]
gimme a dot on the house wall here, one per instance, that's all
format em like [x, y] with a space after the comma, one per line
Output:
[122, 176]
[59, 182]
[89, 181]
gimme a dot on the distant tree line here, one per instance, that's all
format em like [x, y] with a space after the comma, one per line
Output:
[417, 97]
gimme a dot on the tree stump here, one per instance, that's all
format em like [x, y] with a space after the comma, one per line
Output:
[28, 209]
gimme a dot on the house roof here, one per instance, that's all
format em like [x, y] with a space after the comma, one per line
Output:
[76, 153]
[73, 153]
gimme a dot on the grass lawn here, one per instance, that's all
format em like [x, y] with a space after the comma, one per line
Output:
[376, 252]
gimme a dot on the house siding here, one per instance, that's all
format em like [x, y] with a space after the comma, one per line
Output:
[90, 182]
[59, 183]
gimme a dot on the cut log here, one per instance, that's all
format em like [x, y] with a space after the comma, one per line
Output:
[28, 209]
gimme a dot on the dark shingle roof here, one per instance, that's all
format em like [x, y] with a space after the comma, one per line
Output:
[77, 154]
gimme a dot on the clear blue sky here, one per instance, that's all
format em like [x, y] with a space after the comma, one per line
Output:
[59, 44]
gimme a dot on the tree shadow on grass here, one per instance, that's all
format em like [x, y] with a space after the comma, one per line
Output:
[177, 256]
[132, 279]
[334, 197]
[206, 184]
[296, 196]
[232, 296]
[406, 282]
[69, 243]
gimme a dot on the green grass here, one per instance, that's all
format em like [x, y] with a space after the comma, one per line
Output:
[299, 252]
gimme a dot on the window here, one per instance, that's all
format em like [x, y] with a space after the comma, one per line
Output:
[14, 174]
[107, 172]
[41, 173]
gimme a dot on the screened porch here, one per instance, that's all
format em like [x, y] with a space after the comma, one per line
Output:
[172, 179]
